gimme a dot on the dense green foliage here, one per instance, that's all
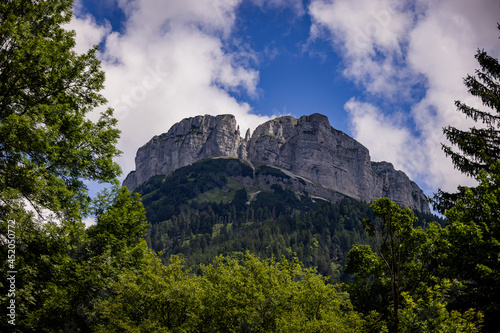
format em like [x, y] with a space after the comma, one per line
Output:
[274, 222]
[63, 268]
[48, 148]
[471, 242]
[230, 296]
[313, 236]
[398, 281]
[47, 145]
[394, 225]
[470, 246]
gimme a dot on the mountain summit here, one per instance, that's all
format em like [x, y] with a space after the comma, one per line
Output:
[308, 148]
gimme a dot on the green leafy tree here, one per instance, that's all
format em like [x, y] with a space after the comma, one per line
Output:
[156, 298]
[428, 313]
[471, 247]
[393, 226]
[48, 147]
[263, 296]
[121, 221]
[250, 295]
[397, 286]
[65, 269]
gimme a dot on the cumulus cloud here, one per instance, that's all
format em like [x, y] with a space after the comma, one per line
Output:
[371, 35]
[178, 58]
[390, 46]
[89, 33]
[390, 135]
[173, 59]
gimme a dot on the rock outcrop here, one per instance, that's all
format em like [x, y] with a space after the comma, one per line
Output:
[187, 141]
[309, 147]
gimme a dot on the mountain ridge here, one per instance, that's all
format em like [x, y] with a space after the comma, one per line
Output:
[308, 147]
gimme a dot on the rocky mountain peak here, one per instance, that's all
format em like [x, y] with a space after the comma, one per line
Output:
[187, 141]
[308, 147]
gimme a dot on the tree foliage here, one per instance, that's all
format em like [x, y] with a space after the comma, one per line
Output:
[395, 226]
[48, 147]
[429, 313]
[64, 268]
[398, 281]
[478, 148]
[471, 247]
[383, 273]
[470, 243]
[250, 295]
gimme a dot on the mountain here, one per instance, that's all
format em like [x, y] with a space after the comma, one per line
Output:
[228, 206]
[316, 160]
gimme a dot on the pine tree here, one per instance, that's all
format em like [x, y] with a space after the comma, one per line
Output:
[472, 236]
[478, 148]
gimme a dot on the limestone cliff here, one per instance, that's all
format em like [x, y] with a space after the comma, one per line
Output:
[187, 141]
[311, 148]
[308, 147]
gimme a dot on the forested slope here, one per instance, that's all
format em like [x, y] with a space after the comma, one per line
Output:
[225, 206]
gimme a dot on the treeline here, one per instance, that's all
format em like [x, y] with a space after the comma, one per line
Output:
[275, 224]
[320, 237]
[247, 295]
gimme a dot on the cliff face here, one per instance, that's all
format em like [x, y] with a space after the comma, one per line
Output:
[188, 141]
[309, 147]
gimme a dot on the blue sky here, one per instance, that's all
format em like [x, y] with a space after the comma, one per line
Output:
[385, 72]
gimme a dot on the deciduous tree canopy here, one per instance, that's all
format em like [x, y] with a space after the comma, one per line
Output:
[47, 144]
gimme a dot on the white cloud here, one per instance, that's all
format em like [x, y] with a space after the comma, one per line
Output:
[89, 33]
[387, 47]
[172, 62]
[89, 221]
[362, 26]
[389, 139]
[371, 35]
[442, 47]
[386, 133]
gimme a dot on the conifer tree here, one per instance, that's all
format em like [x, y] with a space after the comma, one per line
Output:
[478, 148]
[471, 239]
